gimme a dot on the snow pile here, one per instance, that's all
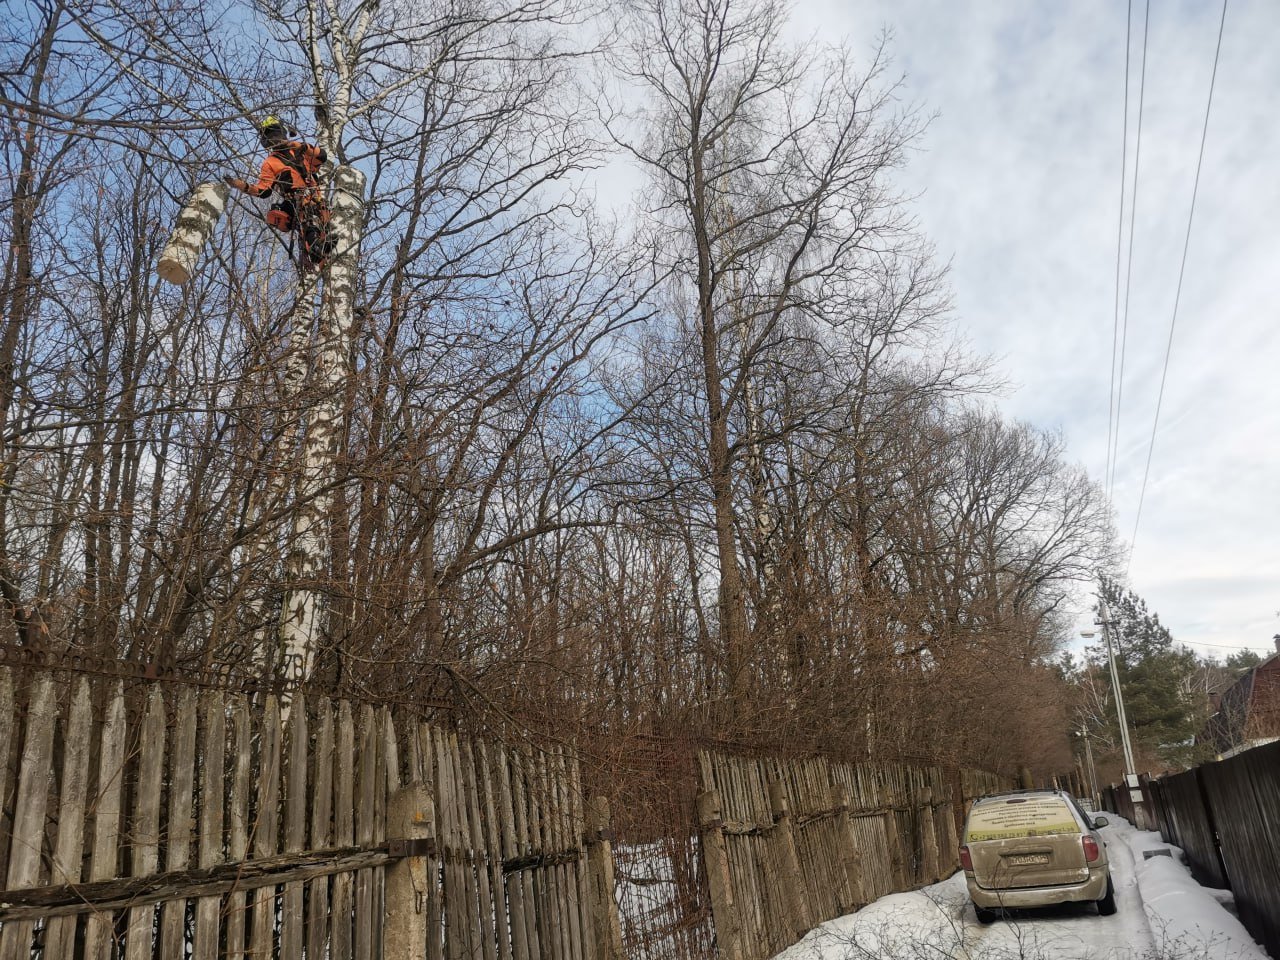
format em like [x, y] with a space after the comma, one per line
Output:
[901, 926]
[1186, 919]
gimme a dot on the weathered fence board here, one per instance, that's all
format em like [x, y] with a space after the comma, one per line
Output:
[156, 820]
[321, 810]
[66, 866]
[295, 829]
[8, 725]
[145, 829]
[181, 795]
[366, 785]
[212, 787]
[265, 824]
[238, 826]
[344, 830]
[106, 821]
[792, 843]
[1244, 796]
[29, 811]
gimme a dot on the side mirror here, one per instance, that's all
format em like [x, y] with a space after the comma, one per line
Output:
[1100, 822]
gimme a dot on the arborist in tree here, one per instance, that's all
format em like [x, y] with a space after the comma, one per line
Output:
[290, 170]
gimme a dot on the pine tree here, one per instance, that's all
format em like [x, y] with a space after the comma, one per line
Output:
[1242, 661]
[1163, 710]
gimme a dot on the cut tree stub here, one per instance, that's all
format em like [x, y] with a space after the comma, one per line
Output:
[191, 232]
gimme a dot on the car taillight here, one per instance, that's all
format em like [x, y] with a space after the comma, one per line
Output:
[1090, 848]
[966, 861]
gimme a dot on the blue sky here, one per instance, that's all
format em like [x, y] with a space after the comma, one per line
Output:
[1019, 182]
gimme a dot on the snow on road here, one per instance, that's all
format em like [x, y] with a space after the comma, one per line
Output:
[1163, 915]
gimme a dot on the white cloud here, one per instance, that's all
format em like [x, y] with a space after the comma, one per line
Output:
[1019, 177]
[1018, 183]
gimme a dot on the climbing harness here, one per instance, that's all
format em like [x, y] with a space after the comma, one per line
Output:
[291, 169]
[302, 208]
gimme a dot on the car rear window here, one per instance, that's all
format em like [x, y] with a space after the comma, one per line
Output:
[1012, 817]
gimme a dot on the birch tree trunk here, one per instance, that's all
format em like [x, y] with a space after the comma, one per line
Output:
[191, 232]
[273, 495]
[301, 616]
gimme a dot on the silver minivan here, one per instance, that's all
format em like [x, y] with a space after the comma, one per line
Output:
[1034, 848]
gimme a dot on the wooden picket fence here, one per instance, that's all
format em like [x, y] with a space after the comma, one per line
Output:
[146, 818]
[791, 843]
[160, 820]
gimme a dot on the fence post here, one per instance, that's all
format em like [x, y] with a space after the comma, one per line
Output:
[893, 832]
[607, 925]
[856, 889]
[792, 878]
[716, 861]
[928, 838]
[958, 810]
[409, 817]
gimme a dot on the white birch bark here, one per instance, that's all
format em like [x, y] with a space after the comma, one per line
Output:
[191, 232]
[301, 617]
[276, 489]
[301, 613]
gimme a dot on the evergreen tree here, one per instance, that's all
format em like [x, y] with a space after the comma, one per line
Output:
[1163, 709]
[1242, 661]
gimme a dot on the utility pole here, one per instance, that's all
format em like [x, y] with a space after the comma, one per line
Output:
[1130, 768]
[1106, 623]
[1088, 759]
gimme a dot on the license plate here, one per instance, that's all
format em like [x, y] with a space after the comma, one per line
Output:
[1028, 859]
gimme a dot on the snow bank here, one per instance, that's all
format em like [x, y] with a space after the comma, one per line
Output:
[1186, 919]
[1164, 915]
[901, 926]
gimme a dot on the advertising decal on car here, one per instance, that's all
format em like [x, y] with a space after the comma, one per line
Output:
[1020, 817]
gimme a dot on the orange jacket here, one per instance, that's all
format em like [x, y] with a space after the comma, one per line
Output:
[290, 167]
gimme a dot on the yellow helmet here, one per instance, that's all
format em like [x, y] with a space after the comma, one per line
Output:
[270, 122]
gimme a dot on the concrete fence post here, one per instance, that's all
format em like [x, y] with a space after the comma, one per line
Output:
[409, 816]
[607, 925]
[715, 860]
[792, 877]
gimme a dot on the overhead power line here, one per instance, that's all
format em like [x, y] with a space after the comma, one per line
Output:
[1220, 646]
[1133, 213]
[1124, 167]
[1177, 297]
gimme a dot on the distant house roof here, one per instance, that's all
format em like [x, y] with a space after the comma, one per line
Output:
[1248, 710]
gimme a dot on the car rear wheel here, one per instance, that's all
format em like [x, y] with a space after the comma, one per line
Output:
[985, 916]
[1107, 905]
